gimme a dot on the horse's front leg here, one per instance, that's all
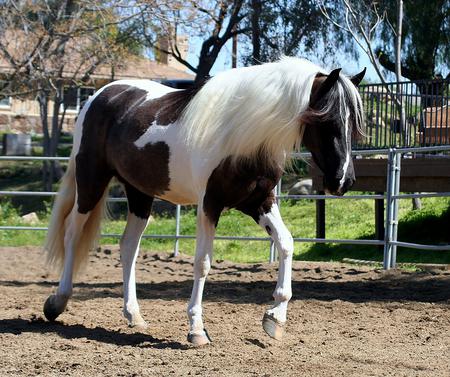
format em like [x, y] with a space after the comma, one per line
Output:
[275, 317]
[202, 264]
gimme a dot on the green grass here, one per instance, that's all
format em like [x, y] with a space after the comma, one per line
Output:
[353, 219]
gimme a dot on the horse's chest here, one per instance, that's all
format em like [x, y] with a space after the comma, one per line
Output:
[245, 185]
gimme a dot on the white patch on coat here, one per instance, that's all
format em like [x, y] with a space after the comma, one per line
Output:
[182, 187]
[277, 230]
[153, 89]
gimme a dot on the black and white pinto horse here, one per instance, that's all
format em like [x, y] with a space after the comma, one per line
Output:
[222, 145]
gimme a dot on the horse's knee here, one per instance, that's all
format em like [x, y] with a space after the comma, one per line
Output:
[194, 311]
[282, 294]
[202, 267]
[286, 246]
[68, 237]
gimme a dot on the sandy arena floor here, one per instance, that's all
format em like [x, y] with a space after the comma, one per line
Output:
[343, 321]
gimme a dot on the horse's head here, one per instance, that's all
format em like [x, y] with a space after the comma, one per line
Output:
[333, 117]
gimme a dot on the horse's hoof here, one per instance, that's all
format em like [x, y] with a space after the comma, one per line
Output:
[138, 323]
[273, 327]
[54, 306]
[198, 340]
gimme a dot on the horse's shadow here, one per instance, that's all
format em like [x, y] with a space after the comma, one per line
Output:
[414, 287]
[18, 326]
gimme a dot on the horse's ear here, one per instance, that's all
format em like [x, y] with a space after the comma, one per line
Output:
[326, 85]
[356, 80]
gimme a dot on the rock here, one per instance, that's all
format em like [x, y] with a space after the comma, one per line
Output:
[16, 145]
[302, 187]
[30, 218]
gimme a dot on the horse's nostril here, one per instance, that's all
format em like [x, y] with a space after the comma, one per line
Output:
[351, 182]
[348, 183]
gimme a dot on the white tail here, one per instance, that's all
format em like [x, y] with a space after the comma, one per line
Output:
[62, 208]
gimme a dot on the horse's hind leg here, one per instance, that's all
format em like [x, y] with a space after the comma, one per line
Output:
[139, 207]
[57, 302]
[80, 232]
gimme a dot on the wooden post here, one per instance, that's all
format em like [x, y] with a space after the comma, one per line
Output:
[379, 218]
[234, 51]
[320, 217]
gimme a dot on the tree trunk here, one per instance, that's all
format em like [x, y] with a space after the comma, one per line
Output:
[204, 67]
[43, 112]
[398, 71]
[56, 133]
[256, 32]
[51, 170]
[234, 51]
[416, 203]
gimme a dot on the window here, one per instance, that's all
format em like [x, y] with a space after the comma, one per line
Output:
[75, 97]
[5, 101]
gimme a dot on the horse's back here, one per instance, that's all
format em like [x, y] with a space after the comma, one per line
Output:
[130, 130]
[154, 89]
[119, 110]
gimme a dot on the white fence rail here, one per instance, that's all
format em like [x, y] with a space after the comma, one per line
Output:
[390, 242]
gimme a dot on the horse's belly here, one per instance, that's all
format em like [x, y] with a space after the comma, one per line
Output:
[177, 198]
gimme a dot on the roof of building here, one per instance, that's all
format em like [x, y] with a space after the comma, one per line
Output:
[80, 59]
[142, 68]
[133, 68]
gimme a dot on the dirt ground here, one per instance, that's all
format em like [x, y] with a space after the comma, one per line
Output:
[343, 321]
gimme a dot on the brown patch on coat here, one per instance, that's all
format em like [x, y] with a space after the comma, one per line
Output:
[246, 185]
[116, 118]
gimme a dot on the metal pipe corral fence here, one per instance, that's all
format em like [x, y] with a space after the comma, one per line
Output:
[390, 242]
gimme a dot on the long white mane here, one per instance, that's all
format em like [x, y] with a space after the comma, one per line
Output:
[251, 110]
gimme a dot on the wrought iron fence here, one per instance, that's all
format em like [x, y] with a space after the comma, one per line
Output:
[406, 114]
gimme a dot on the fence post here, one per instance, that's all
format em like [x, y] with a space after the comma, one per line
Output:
[379, 218]
[389, 211]
[320, 216]
[396, 191]
[177, 230]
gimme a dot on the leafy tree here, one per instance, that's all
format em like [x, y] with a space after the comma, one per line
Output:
[426, 38]
[216, 22]
[51, 44]
[292, 27]
[426, 45]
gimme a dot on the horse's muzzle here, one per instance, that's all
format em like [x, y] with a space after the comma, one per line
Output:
[334, 187]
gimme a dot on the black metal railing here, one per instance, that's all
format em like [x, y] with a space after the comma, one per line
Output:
[406, 114]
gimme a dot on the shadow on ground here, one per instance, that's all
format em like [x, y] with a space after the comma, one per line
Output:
[18, 326]
[420, 287]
